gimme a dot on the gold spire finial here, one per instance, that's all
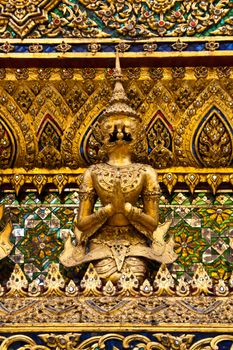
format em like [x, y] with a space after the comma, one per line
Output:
[119, 103]
[118, 73]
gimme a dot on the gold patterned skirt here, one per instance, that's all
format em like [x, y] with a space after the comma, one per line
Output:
[114, 250]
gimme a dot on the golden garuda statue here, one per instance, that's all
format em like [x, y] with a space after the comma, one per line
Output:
[121, 235]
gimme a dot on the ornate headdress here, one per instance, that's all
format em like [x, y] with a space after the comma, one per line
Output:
[119, 102]
[119, 106]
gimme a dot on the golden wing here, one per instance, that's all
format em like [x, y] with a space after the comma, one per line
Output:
[71, 253]
[5, 245]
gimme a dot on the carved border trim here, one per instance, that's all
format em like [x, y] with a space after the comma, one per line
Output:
[122, 327]
[38, 178]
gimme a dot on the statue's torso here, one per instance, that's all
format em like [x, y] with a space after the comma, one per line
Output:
[131, 179]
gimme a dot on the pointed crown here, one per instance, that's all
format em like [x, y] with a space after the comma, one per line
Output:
[119, 102]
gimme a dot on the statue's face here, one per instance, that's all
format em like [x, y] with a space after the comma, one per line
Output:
[120, 130]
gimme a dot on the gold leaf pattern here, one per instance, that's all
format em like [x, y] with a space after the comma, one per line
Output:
[214, 143]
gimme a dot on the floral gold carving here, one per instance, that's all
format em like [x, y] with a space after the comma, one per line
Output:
[140, 19]
[166, 300]
[18, 181]
[7, 146]
[17, 284]
[74, 104]
[39, 181]
[65, 177]
[201, 281]
[164, 282]
[215, 143]
[214, 181]
[65, 341]
[22, 16]
[192, 180]
[170, 181]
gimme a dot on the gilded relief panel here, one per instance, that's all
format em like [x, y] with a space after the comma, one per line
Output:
[201, 225]
[54, 111]
[103, 19]
[49, 134]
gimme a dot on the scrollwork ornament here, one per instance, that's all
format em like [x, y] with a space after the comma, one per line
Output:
[192, 181]
[17, 284]
[17, 181]
[39, 181]
[54, 282]
[212, 46]
[137, 341]
[214, 142]
[122, 47]
[62, 19]
[150, 47]
[175, 343]
[7, 47]
[179, 45]
[156, 73]
[94, 48]
[35, 48]
[63, 47]
[201, 72]
[60, 181]
[206, 138]
[161, 157]
[6, 343]
[201, 282]
[21, 73]
[66, 341]
[44, 73]
[223, 72]
[164, 283]
[214, 180]
[170, 181]
[178, 72]
[91, 283]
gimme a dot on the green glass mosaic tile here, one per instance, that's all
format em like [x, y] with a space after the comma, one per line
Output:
[202, 226]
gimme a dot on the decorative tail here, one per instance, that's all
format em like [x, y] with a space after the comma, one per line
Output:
[162, 247]
[71, 253]
[160, 232]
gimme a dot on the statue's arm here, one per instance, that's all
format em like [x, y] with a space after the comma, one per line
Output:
[151, 195]
[87, 221]
[146, 220]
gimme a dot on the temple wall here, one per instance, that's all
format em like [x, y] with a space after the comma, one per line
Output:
[56, 78]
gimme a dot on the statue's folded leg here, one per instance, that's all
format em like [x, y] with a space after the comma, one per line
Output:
[107, 268]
